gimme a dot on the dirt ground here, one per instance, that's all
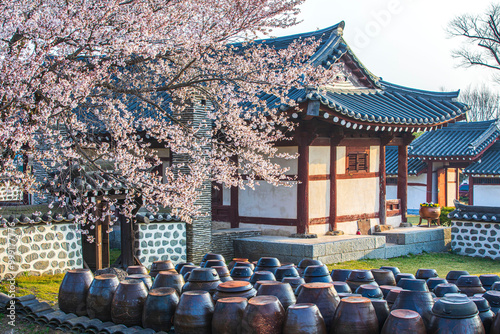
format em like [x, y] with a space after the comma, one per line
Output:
[24, 327]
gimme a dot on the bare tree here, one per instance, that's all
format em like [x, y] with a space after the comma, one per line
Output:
[483, 102]
[482, 38]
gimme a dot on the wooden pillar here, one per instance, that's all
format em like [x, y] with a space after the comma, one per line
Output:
[98, 235]
[471, 190]
[403, 180]
[429, 182]
[127, 242]
[382, 187]
[303, 185]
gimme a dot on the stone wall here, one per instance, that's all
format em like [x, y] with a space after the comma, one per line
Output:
[223, 240]
[160, 241]
[39, 249]
[480, 239]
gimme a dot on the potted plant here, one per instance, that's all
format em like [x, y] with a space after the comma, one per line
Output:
[429, 211]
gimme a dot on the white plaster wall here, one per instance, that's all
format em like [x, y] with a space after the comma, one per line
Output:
[487, 195]
[320, 229]
[319, 199]
[271, 229]
[374, 159]
[341, 150]
[268, 201]
[289, 163]
[416, 195]
[394, 221]
[357, 196]
[319, 160]
[226, 196]
[161, 241]
[452, 187]
[391, 192]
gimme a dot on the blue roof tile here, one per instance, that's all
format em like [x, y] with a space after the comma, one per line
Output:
[460, 139]
[415, 165]
[489, 164]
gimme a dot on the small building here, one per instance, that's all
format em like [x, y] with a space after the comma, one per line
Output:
[484, 178]
[447, 151]
[341, 136]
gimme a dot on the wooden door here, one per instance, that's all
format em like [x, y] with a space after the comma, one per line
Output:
[442, 186]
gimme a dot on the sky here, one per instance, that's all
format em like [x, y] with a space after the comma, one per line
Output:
[402, 41]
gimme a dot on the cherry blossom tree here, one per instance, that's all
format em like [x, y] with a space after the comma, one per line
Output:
[69, 70]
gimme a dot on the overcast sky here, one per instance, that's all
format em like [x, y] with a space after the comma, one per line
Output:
[402, 41]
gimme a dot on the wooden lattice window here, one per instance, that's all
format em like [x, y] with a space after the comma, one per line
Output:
[357, 159]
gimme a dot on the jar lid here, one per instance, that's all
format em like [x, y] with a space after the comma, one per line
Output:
[455, 305]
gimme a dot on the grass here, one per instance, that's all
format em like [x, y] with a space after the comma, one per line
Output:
[442, 262]
[114, 253]
[45, 287]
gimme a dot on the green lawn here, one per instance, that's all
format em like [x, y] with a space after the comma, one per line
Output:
[442, 262]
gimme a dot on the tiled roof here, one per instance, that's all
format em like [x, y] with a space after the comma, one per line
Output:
[44, 218]
[488, 164]
[475, 213]
[382, 107]
[149, 217]
[462, 139]
[415, 165]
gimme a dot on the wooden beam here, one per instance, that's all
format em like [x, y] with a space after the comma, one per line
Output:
[382, 187]
[403, 180]
[429, 182]
[471, 190]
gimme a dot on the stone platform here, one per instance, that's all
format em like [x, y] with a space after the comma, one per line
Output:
[334, 249]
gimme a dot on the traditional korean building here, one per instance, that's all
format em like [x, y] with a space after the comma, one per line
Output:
[484, 178]
[341, 137]
[446, 151]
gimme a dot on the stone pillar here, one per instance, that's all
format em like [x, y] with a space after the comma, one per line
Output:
[199, 232]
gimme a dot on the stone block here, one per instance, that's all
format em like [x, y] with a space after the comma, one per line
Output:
[319, 250]
[382, 228]
[395, 251]
[380, 242]
[353, 256]
[299, 250]
[378, 253]
[331, 258]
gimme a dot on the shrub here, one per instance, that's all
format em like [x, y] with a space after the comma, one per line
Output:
[445, 210]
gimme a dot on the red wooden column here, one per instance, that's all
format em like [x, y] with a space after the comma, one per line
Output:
[303, 186]
[429, 181]
[382, 185]
[403, 180]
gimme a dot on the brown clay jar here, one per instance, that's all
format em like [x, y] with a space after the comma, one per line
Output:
[304, 319]
[169, 279]
[128, 303]
[324, 296]
[283, 291]
[194, 313]
[355, 315]
[158, 266]
[73, 291]
[234, 289]
[418, 301]
[159, 309]
[146, 279]
[384, 277]
[205, 279]
[404, 321]
[228, 314]
[132, 270]
[100, 296]
[263, 315]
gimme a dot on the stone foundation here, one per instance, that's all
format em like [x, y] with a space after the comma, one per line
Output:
[160, 241]
[39, 249]
[223, 240]
[479, 239]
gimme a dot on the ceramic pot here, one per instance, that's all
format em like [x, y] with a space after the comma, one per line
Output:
[128, 303]
[267, 264]
[285, 271]
[428, 212]
[187, 269]
[194, 313]
[262, 276]
[234, 260]
[395, 270]
[493, 298]
[487, 280]
[340, 275]
[434, 281]
[387, 288]
[355, 315]
[234, 289]
[426, 274]
[324, 296]
[413, 284]
[403, 275]
[100, 296]
[241, 273]
[213, 263]
[159, 309]
[359, 277]
[228, 314]
[381, 310]
[453, 275]
[341, 287]
[213, 256]
[205, 279]
[179, 266]
[442, 289]
[470, 285]
[295, 283]
[73, 291]
[263, 315]
[223, 272]
[283, 291]
[158, 266]
[485, 313]
[132, 270]
[455, 314]
[384, 277]
[392, 296]
[370, 291]
[169, 279]
[258, 283]
[304, 263]
[146, 279]
[418, 301]
[245, 264]
[304, 319]
[404, 321]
